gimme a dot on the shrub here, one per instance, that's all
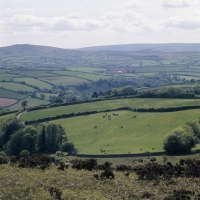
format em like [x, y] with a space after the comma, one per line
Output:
[24, 153]
[181, 139]
[3, 160]
[68, 146]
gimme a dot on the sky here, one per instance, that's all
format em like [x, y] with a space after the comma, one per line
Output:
[73, 24]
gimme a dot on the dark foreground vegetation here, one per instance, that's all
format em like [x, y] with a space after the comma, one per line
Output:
[43, 177]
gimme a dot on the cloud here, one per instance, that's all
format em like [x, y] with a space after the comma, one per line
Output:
[177, 3]
[71, 22]
[186, 22]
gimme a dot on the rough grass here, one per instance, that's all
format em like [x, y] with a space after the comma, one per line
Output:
[109, 104]
[19, 183]
[145, 132]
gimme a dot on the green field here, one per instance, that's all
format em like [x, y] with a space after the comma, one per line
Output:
[34, 82]
[161, 68]
[34, 73]
[87, 69]
[109, 104]
[92, 77]
[10, 94]
[32, 102]
[64, 80]
[7, 77]
[16, 86]
[143, 132]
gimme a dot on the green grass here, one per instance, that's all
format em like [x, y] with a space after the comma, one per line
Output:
[16, 86]
[161, 68]
[109, 104]
[32, 81]
[10, 94]
[143, 132]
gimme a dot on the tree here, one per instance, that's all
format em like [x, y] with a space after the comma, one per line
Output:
[8, 128]
[24, 104]
[41, 144]
[181, 139]
[51, 136]
[42, 96]
[22, 139]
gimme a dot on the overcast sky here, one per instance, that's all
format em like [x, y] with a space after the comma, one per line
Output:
[81, 23]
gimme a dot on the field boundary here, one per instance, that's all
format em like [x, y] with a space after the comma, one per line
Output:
[170, 109]
[134, 154]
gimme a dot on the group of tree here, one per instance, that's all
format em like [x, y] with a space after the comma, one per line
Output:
[182, 138]
[124, 91]
[16, 137]
[168, 92]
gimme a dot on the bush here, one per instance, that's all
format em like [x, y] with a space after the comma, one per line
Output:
[68, 146]
[3, 160]
[24, 153]
[181, 139]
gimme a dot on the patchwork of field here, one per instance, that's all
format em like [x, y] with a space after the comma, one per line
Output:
[7, 77]
[92, 77]
[161, 68]
[124, 134]
[34, 73]
[16, 86]
[64, 80]
[10, 94]
[32, 102]
[34, 82]
[109, 104]
[87, 69]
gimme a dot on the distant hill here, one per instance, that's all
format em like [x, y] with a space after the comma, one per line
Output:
[36, 50]
[168, 47]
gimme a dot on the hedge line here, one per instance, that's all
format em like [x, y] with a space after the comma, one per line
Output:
[170, 109]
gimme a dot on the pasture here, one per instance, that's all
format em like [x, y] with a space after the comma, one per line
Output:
[84, 75]
[122, 133]
[34, 82]
[109, 104]
[16, 87]
[32, 102]
[7, 77]
[87, 69]
[64, 80]
[11, 94]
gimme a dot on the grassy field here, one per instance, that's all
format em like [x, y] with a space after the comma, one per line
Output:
[34, 73]
[16, 86]
[10, 94]
[109, 104]
[34, 82]
[167, 69]
[143, 132]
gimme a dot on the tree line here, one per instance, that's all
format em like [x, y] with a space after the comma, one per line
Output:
[15, 137]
